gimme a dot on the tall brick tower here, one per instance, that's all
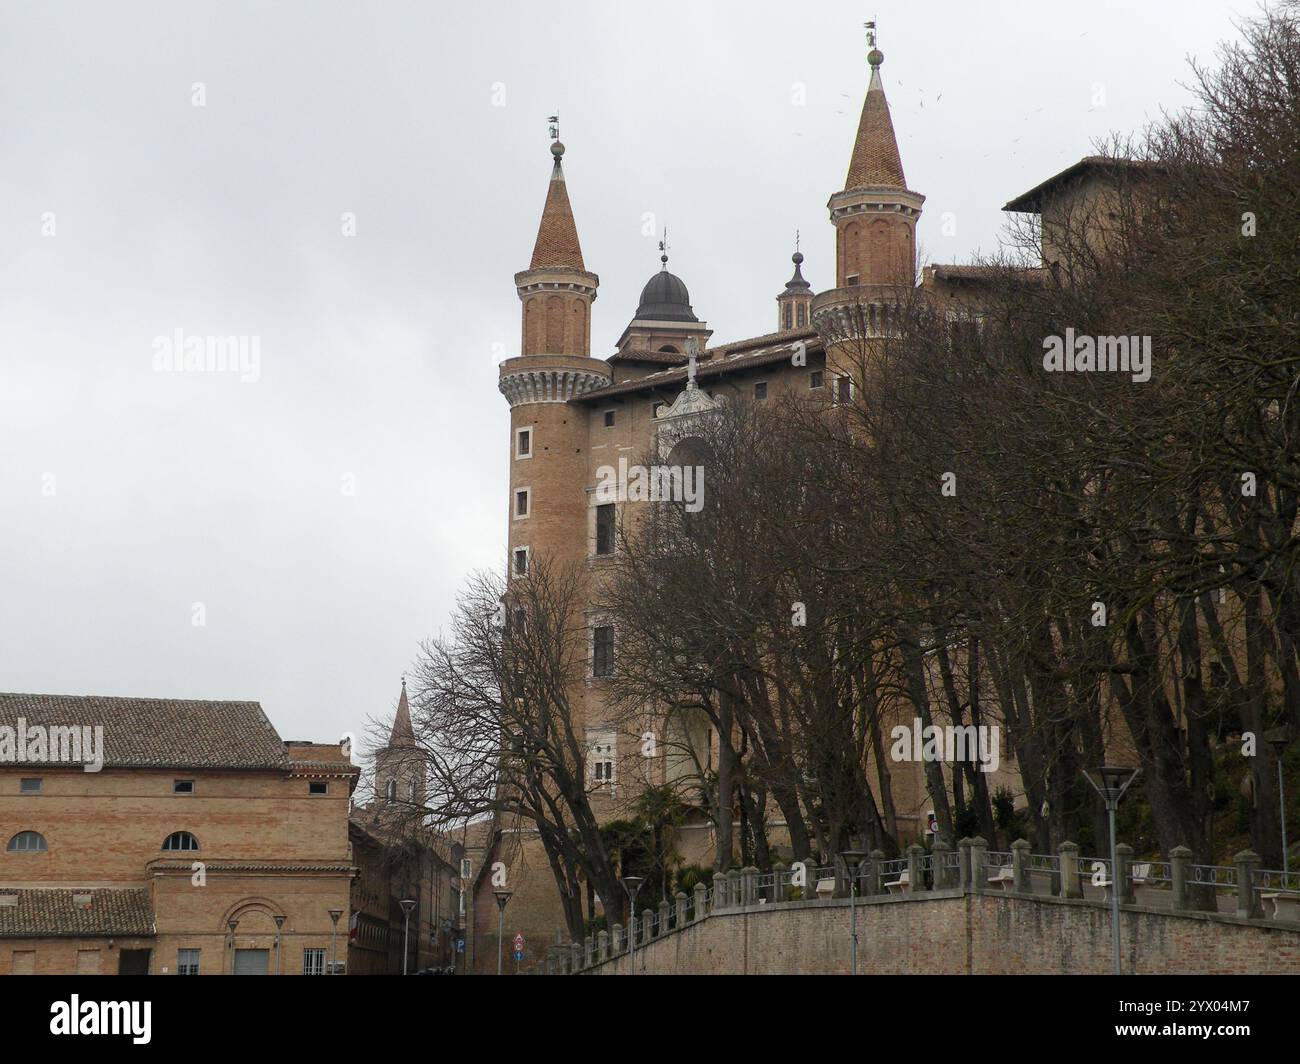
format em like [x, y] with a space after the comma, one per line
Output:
[875, 217]
[548, 438]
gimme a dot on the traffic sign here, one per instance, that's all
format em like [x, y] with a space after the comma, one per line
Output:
[519, 942]
[460, 945]
[519, 955]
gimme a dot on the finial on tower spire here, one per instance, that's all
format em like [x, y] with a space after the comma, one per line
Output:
[663, 250]
[557, 145]
[875, 57]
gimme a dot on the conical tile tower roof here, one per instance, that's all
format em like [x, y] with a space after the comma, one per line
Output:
[403, 734]
[557, 244]
[875, 161]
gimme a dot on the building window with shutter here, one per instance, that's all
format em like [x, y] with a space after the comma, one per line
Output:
[187, 961]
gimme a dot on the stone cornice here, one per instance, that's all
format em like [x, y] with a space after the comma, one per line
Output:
[545, 385]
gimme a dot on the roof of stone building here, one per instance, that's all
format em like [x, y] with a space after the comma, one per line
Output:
[875, 161]
[557, 244]
[1031, 202]
[636, 354]
[716, 362]
[304, 767]
[160, 732]
[50, 913]
[969, 273]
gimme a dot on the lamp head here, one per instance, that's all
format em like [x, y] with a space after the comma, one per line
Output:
[1111, 781]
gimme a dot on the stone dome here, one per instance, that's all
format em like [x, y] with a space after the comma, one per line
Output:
[665, 298]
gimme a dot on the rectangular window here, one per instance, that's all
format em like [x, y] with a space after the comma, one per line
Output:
[524, 443]
[31, 785]
[815, 379]
[609, 419]
[187, 961]
[605, 521]
[521, 501]
[182, 787]
[318, 787]
[788, 322]
[803, 315]
[602, 651]
[844, 389]
[521, 561]
[313, 962]
[851, 281]
[760, 390]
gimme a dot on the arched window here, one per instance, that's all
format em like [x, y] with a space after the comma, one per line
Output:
[412, 792]
[180, 840]
[668, 349]
[28, 842]
[392, 790]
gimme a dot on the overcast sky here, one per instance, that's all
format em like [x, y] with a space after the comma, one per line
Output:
[128, 496]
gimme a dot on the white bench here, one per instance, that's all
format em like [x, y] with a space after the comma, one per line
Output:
[899, 885]
[1004, 877]
[825, 888]
[1285, 904]
[1138, 876]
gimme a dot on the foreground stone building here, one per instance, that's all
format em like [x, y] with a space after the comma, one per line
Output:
[204, 844]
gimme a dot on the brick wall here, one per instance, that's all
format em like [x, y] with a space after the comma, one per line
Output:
[952, 933]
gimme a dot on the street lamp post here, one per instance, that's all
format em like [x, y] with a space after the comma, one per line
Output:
[1111, 781]
[279, 951]
[334, 941]
[503, 899]
[407, 905]
[632, 886]
[851, 859]
[1278, 738]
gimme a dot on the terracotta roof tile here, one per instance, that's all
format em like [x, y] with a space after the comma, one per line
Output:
[557, 244]
[45, 913]
[875, 162]
[717, 361]
[159, 732]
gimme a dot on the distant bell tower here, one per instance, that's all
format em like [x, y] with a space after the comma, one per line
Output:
[400, 767]
[794, 305]
[547, 508]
